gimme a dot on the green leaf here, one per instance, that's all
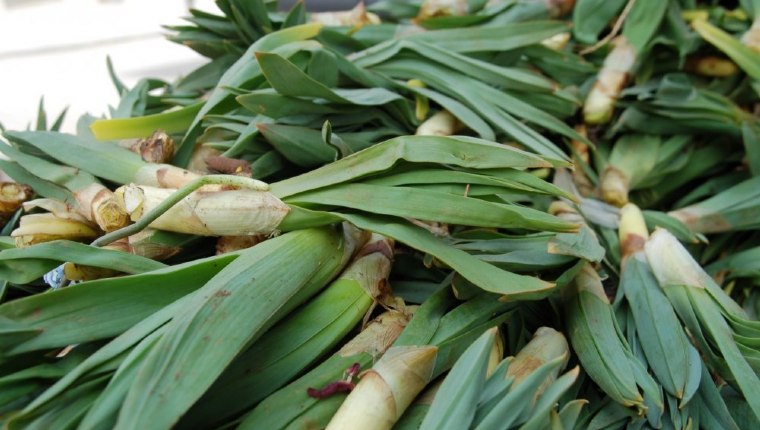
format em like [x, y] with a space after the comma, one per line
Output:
[40, 186]
[41, 116]
[171, 121]
[460, 111]
[549, 398]
[570, 413]
[486, 276]
[656, 219]
[491, 38]
[511, 180]
[250, 294]
[642, 23]
[507, 410]
[299, 145]
[104, 411]
[68, 177]
[457, 151]
[23, 265]
[274, 105]
[289, 80]
[245, 71]
[713, 411]
[733, 209]
[751, 138]
[110, 356]
[582, 244]
[662, 338]
[744, 263]
[720, 333]
[591, 17]
[480, 98]
[105, 160]
[456, 400]
[743, 56]
[106, 307]
[595, 337]
[430, 206]
[66, 411]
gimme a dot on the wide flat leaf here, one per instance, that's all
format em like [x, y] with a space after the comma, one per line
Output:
[23, 265]
[40, 186]
[105, 160]
[662, 338]
[720, 332]
[250, 294]
[594, 335]
[110, 356]
[488, 38]
[460, 151]
[275, 105]
[480, 273]
[507, 410]
[105, 409]
[104, 308]
[478, 97]
[172, 121]
[300, 145]
[545, 405]
[68, 177]
[510, 180]
[642, 23]
[430, 206]
[468, 117]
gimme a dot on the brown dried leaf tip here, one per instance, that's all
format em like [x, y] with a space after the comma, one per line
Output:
[158, 148]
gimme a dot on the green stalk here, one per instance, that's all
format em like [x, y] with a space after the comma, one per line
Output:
[638, 30]
[606, 355]
[251, 294]
[176, 197]
[385, 391]
[673, 360]
[291, 405]
[717, 324]
[294, 344]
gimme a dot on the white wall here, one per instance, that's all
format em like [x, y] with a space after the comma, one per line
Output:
[58, 48]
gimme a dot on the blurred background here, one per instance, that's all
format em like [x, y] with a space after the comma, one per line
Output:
[58, 49]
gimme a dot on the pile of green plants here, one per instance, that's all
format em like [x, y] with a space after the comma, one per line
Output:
[436, 214]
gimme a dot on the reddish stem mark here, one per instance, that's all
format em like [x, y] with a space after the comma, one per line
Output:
[343, 386]
[330, 389]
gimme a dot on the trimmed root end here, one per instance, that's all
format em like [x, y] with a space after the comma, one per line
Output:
[614, 185]
[12, 196]
[600, 102]
[157, 148]
[442, 123]
[751, 38]
[633, 232]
